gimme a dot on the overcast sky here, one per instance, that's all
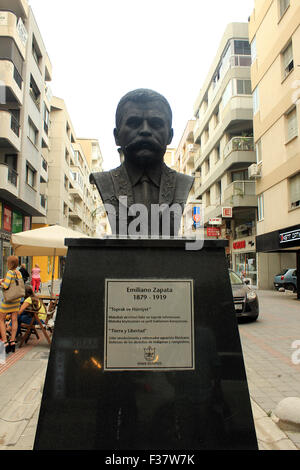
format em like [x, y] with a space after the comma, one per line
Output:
[101, 49]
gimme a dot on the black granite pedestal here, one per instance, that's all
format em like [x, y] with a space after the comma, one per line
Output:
[95, 398]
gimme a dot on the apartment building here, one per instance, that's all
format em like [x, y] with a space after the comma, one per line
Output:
[185, 163]
[92, 152]
[25, 73]
[274, 34]
[70, 197]
[223, 134]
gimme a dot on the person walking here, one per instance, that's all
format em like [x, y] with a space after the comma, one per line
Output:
[24, 272]
[12, 307]
[36, 278]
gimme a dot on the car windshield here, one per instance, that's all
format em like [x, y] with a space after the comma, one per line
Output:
[234, 278]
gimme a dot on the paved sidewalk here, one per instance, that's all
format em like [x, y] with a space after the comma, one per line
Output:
[21, 385]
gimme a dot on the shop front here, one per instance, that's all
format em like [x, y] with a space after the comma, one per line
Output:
[285, 243]
[12, 220]
[244, 260]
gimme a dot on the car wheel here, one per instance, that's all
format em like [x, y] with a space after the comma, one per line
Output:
[290, 287]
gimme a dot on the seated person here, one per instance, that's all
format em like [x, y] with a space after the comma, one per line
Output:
[31, 302]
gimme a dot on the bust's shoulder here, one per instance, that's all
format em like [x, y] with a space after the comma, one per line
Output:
[104, 175]
[181, 178]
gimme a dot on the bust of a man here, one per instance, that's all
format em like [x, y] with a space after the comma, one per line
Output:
[143, 194]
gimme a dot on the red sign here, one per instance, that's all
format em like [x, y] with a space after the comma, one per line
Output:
[213, 231]
[226, 211]
[239, 245]
[7, 216]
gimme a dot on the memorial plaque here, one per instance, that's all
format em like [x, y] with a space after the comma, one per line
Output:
[149, 325]
[177, 383]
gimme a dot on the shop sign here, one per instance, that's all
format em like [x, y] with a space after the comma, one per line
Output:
[213, 231]
[239, 245]
[197, 216]
[7, 216]
[17, 225]
[292, 236]
[227, 212]
[215, 221]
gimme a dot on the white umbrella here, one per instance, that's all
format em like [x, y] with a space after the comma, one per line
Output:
[45, 241]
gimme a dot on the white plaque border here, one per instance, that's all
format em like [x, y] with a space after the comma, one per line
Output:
[156, 368]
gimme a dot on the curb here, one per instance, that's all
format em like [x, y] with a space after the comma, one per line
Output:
[269, 435]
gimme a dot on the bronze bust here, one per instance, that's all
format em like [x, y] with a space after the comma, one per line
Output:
[143, 183]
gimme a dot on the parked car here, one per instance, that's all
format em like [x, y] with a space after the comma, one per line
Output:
[287, 279]
[245, 299]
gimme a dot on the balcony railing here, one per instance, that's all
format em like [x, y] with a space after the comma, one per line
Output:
[239, 144]
[240, 61]
[239, 188]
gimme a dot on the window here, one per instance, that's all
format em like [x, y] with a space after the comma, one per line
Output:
[260, 207]
[283, 6]
[258, 152]
[34, 91]
[46, 119]
[241, 175]
[208, 198]
[255, 100]
[32, 132]
[227, 94]
[36, 51]
[217, 153]
[243, 87]
[287, 60]
[207, 165]
[292, 124]
[295, 191]
[242, 47]
[30, 176]
[253, 50]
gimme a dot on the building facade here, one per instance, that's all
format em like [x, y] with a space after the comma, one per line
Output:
[25, 73]
[274, 34]
[69, 195]
[223, 134]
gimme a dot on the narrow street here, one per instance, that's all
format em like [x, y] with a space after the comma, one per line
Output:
[272, 361]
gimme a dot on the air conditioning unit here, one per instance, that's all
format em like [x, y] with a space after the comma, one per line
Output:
[254, 171]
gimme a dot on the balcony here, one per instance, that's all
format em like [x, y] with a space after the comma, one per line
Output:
[13, 27]
[239, 144]
[9, 131]
[240, 194]
[18, 6]
[8, 181]
[76, 213]
[12, 81]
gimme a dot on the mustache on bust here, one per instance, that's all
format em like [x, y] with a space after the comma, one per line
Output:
[143, 144]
